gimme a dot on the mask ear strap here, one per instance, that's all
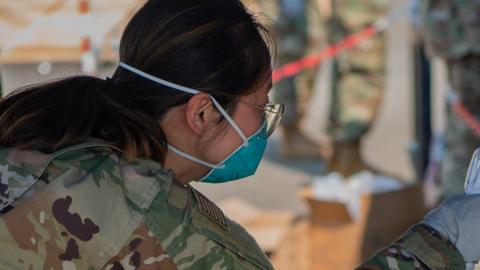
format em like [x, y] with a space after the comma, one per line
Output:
[194, 159]
[230, 121]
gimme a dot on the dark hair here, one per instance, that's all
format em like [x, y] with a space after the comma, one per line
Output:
[215, 46]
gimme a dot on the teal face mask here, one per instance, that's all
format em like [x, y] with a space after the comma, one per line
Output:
[243, 162]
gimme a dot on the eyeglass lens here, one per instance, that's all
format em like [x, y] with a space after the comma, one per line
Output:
[273, 115]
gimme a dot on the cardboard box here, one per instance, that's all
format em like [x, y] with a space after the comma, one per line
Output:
[339, 242]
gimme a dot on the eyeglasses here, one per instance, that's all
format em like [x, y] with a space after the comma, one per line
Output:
[273, 115]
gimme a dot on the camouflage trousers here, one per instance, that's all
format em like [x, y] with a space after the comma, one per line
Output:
[461, 142]
[358, 79]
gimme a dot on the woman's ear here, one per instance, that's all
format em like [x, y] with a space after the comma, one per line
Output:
[200, 113]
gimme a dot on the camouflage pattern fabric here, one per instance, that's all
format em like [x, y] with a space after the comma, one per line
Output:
[422, 248]
[87, 208]
[290, 30]
[359, 72]
[294, 24]
[450, 30]
[450, 27]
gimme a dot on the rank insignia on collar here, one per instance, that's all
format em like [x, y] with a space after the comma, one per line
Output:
[210, 209]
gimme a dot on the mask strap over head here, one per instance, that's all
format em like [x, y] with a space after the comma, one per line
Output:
[190, 91]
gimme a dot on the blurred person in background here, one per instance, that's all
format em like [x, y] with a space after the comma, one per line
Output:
[451, 31]
[295, 26]
[95, 173]
[292, 33]
[358, 81]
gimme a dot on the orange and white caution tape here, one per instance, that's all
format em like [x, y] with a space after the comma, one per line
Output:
[311, 61]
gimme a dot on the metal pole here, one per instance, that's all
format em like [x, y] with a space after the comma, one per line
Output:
[423, 111]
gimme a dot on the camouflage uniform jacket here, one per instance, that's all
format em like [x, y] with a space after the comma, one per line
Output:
[421, 248]
[86, 208]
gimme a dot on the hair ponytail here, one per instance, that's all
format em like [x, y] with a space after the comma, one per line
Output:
[52, 116]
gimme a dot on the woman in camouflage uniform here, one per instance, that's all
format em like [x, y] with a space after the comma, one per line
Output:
[94, 173]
